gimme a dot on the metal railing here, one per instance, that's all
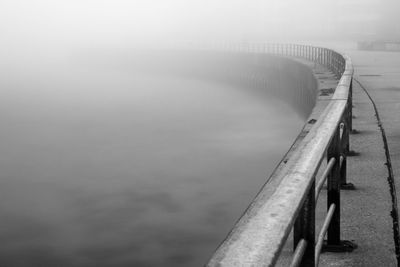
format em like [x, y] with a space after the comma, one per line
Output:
[259, 236]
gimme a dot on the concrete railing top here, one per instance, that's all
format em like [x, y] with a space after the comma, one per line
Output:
[259, 236]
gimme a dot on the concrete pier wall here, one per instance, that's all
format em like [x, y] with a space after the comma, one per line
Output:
[260, 74]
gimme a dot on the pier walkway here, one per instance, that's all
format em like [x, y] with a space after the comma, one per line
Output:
[364, 217]
[366, 212]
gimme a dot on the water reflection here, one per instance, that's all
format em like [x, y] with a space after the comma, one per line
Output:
[107, 168]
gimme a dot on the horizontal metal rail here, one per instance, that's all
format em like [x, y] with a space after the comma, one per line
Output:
[298, 253]
[322, 233]
[258, 237]
[324, 175]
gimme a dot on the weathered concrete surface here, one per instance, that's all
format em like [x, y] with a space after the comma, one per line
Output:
[379, 72]
[366, 216]
[366, 212]
[327, 82]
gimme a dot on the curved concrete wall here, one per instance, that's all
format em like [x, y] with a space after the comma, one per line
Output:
[261, 74]
[286, 202]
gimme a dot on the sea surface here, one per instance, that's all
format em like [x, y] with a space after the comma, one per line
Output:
[107, 167]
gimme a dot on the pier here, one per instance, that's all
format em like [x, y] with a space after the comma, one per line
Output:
[351, 142]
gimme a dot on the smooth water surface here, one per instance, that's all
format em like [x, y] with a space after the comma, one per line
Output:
[104, 167]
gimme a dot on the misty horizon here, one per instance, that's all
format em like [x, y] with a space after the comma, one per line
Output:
[117, 154]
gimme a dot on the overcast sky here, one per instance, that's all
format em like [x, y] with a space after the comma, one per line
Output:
[123, 21]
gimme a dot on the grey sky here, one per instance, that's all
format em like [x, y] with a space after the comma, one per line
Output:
[122, 21]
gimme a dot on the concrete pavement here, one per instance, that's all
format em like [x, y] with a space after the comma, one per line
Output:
[366, 212]
[366, 217]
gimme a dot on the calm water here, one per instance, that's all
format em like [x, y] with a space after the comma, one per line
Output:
[107, 168]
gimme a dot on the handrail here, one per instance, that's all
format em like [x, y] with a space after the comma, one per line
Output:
[260, 234]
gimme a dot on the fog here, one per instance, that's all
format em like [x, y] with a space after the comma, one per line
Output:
[102, 165]
[108, 167]
[121, 23]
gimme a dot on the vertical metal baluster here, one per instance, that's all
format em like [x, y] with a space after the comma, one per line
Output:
[334, 190]
[334, 243]
[304, 228]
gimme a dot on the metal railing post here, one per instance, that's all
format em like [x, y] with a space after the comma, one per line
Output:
[326, 57]
[329, 59]
[334, 190]
[344, 143]
[313, 53]
[322, 54]
[350, 106]
[335, 150]
[311, 49]
[346, 148]
[304, 228]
